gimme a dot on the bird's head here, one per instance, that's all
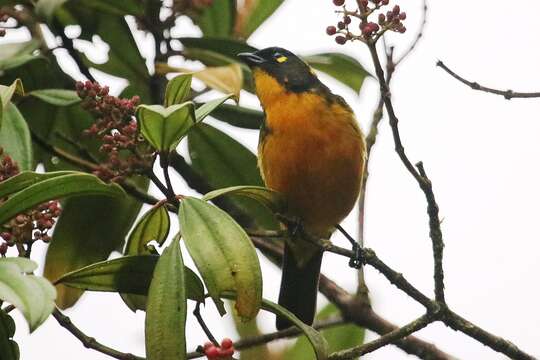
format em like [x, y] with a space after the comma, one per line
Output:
[276, 70]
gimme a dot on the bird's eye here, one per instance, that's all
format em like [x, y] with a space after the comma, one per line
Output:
[280, 58]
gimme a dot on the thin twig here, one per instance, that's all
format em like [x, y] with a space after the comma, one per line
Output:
[418, 36]
[507, 94]
[386, 339]
[197, 314]
[249, 342]
[419, 175]
[90, 342]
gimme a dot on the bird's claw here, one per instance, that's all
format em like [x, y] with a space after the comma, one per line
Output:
[357, 258]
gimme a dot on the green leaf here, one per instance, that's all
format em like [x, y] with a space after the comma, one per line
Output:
[205, 109]
[47, 8]
[6, 92]
[13, 55]
[338, 337]
[165, 127]
[88, 230]
[8, 348]
[32, 295]
[223, 253]
[256, 15]
[224, 162]
[267, 197]
[178, 89]
[128, 274]
[26, 179]
[165, 325]
[75, 184]
[15, 137]
[154, 225]
[58, 97]
[319, 344]
[218, 19]
[239, 116]
[341, 67]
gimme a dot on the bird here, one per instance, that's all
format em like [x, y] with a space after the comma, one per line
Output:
[312, 151]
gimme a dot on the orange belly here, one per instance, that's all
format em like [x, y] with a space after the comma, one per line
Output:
[316, 160]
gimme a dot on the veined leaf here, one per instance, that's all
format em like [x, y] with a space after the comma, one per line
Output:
[269, 198]
[32, 295]
[58, 97]
[26, 179]
[178, 89]
[223, 253]
[154, 225]
[341, 67]
[205, 109]
[15, 137]
[127, 274]
[165, 127]
[165, 325]
[76, 184]
[78, 242]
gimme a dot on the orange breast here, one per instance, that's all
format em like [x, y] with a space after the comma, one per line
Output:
[313, 154]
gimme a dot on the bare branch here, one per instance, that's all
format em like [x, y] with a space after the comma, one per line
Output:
[507, 94]
[90, 342]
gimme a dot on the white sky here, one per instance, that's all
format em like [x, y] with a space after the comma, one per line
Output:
[481, 152]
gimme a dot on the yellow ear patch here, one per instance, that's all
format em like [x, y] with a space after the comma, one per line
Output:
[281, 59]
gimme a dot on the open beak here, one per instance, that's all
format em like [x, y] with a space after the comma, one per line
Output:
[251, 59]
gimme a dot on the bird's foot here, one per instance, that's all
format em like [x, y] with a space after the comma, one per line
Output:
[357, 258]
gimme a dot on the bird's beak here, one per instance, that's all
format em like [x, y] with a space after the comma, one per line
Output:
[251, 59]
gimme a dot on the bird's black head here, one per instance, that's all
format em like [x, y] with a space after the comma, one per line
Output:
[288, 69]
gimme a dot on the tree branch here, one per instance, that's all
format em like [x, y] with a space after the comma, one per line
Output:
[419, 175]
[507, 94]
[90, 342]
[386, 339]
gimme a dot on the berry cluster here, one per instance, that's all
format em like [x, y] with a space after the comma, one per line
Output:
[392, 20]
[127, 152]
[30, 226]
[225, 351]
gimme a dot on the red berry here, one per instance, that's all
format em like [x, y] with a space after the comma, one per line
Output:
[341, 40]
[385, 2]
[339, 2]
[226, 343]
[382, 19]
[212, 352]
[396, 10]
[226, 352]
[347, 20]
[331, 30]
[341, 25]
[402, 16]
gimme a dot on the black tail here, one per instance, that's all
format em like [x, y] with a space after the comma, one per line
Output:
[299, 288]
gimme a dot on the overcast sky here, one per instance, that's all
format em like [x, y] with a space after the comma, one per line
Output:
[480, 151]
